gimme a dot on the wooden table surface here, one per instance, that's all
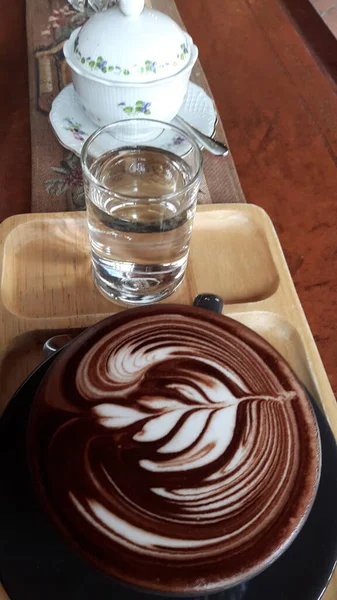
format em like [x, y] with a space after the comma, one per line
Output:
[272, 67]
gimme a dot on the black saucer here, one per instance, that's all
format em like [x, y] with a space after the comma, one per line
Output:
[36, 564]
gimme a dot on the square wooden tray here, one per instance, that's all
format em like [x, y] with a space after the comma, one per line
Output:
[46, 288]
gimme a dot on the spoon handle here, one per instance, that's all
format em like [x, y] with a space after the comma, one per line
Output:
[213, 146]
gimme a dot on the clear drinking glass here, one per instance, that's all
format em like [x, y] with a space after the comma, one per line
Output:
[141, 197]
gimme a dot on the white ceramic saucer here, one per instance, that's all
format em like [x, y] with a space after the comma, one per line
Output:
[72, 125]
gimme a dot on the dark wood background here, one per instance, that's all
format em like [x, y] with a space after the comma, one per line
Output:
[272, 67]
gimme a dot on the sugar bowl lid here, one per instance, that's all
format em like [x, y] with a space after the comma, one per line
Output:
[129, 43]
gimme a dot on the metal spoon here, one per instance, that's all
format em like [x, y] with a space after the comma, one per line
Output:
[213, 146]
[86, 6]
[99, 5]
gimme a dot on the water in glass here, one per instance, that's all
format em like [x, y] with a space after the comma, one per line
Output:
[140, 234]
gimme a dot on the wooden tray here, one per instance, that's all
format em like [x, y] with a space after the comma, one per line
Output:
[46, 288]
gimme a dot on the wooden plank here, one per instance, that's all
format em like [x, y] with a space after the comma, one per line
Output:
[279, 110]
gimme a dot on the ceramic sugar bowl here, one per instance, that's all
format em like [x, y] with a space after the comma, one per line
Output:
[130, 61]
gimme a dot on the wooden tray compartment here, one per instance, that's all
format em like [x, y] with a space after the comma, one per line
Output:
[46, 265]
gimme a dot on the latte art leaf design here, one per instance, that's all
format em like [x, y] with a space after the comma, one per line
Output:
[187, 449]
[199, 432]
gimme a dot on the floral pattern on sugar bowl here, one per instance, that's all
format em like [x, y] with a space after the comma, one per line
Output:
[140, 107]
[75, 129]
[150, 66]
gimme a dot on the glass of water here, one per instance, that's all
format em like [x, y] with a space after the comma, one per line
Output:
[141, 180]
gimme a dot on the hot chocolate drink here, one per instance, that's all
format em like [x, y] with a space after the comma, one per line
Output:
[175, 448]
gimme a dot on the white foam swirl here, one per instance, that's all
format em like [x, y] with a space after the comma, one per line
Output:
[193, 427]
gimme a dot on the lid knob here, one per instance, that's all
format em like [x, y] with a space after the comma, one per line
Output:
[131, 8]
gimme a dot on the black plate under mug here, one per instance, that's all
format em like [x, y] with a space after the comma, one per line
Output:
[36, 563]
